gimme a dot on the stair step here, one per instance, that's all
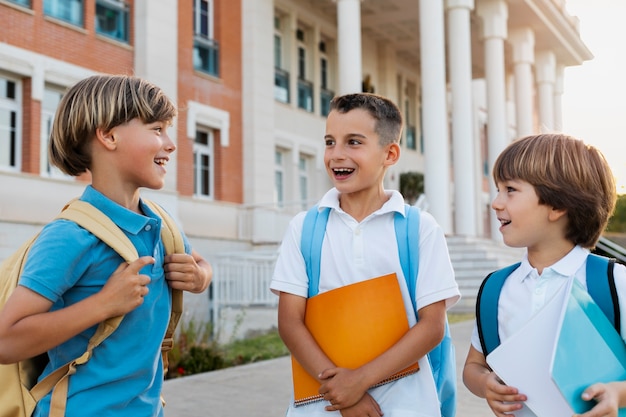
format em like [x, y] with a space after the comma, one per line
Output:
[473, 259]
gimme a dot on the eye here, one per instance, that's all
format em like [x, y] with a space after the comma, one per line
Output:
[330, 142]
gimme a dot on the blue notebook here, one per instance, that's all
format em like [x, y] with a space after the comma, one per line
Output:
[588, 349]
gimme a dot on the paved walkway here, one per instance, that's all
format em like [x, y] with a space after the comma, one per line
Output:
[263, 389]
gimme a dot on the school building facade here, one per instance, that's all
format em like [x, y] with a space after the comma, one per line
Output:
[253, 78]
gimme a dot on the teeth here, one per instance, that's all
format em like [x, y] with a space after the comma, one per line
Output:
[160, 161]
[342, 171]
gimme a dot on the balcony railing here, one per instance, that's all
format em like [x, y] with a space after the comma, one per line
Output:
[206, 54]
[281, 85]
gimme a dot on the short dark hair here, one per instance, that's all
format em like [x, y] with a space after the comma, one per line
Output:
[387, 114]
[567, 174]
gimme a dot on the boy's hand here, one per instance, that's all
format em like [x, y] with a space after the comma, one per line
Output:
[125, 288]
[366, 407]
[183, 273]
[502, 399]
[607, 397]
[341, 387]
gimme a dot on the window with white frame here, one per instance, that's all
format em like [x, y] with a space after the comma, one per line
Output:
[205, 47]
[10, 152]
[279, 177]
[112, 19]
[326, 94]
[51, 98]
[203, 163]
[70, 11]
[303, 174]
[281, 76]
[305, 86]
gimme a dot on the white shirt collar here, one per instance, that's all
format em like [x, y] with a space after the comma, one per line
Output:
[395, 202]
[565, 267]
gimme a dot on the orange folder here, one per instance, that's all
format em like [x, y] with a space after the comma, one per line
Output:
[353, 325]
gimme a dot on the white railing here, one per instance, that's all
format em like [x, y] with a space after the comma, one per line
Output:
[243, 279]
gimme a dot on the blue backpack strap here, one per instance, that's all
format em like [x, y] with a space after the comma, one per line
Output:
[487, 307]
[441, 358]
[313, 231]
[407, 236]
[602, 289]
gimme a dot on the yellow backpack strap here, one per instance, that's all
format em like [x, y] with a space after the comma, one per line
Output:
[101, 226]
[174, 243]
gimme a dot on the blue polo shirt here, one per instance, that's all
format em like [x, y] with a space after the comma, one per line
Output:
[67, 264]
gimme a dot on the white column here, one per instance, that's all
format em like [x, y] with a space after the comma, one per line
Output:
[349, 46]
[156, 56]
[258, 107]
[546, 76]
[460, 64]
[523, 41]
[558, 98]
[434, 111]
[494, 14]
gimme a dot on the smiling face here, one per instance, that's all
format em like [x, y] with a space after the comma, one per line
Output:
[143, 150]
[524, 221]
[354, 158]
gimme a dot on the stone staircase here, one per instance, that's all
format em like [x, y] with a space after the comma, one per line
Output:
[473, 259]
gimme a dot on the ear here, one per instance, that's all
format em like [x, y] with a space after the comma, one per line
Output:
[556, 214]
[106, 139]
[393, 154]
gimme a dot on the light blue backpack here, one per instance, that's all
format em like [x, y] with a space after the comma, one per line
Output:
[442, 357]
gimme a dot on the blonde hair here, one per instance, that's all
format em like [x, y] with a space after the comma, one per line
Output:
[101, 102]
[567, 174]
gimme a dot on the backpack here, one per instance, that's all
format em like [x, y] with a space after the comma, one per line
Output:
[601, 290]
[442, 357]
[20, 390]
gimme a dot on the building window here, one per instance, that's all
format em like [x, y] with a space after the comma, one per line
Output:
[203, 164]
[279, 177]
[303, 172]
[281, 77]
[112, 19]
[70, 11]
[206, 49]
[49, 104]
[25, 3]
[326, 95]
[9, 114]
[410, 130]
[305, 87]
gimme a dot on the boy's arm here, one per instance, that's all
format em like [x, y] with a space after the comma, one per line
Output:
[188, 272]
[28, 328]
[297, 337]
[305, 349]
[416, 343]
[484, 383]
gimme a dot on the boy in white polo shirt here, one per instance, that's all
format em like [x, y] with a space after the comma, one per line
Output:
[362, 142]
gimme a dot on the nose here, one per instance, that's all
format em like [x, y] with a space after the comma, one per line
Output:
[496, 203]
[168, 143]
[334, 153]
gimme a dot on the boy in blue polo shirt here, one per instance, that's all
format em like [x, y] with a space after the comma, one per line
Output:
[114, 128]
[362, 142]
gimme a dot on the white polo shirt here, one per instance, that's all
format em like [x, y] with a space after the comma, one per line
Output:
[356, 251]
[525, 292]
